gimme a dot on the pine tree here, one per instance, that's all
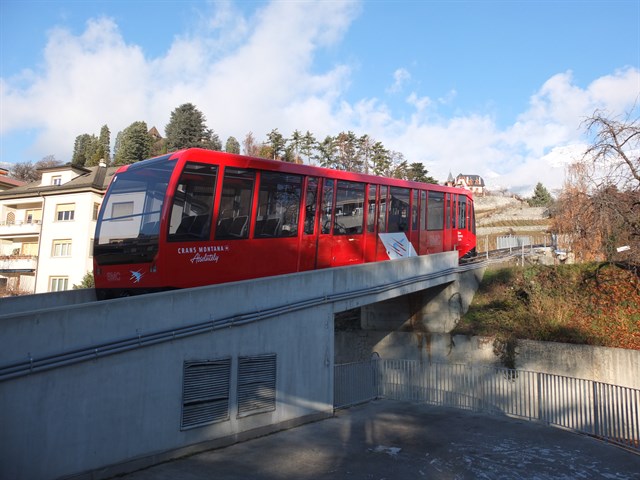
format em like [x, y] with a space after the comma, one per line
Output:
[541, 197]
[232, 145]
[134, 144]
[104, 141]
[277, 143]
[187, 128]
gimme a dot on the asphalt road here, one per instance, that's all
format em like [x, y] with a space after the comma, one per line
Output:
[386, 440]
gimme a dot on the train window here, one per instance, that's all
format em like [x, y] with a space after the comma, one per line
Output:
[399, 211]
[349, 215]
[311, 201]
[462, 212]
[371, 212]
[193, 203]
[235, 204]
[451, 210]
[423, 210]
[278, 205]
[414, 211]
[472, 218]
[327, 206]
[382, 209]
[435, 212]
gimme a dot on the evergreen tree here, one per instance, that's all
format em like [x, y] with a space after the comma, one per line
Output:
[83, 149]
[232, 145]
[133, 145]
[187, 128]
[104, 141]
[380, 160]
[418, 173]
[308, 145]
[326, 155]
[348, 159]
[541, 197]
[277, 143]
[294, 147]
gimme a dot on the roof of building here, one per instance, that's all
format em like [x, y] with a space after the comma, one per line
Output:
[472, 180]
[89, 178]
[8, 182]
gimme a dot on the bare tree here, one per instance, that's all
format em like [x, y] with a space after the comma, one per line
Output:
[598, 210]
[615, 152]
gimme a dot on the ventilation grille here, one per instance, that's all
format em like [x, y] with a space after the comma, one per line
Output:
[256, 384]
[205, 392]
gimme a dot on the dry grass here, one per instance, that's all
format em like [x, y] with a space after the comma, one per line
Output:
[595, 304]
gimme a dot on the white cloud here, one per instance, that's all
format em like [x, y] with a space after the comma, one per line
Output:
[258, 73]
[400, 77]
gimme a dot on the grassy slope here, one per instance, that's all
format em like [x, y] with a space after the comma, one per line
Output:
[590, 304]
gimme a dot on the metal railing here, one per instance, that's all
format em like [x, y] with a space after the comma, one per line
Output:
[609, 412]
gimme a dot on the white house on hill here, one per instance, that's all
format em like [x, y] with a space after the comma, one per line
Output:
[475, 183]
[47, 228]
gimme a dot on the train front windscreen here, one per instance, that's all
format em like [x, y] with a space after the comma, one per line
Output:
[128, 226]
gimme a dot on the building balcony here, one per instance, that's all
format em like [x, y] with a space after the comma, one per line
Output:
[14, 264]
[20, 229]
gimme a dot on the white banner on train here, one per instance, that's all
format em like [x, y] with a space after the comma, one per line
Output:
[397, 245]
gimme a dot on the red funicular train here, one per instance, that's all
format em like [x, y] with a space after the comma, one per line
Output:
[199, 217]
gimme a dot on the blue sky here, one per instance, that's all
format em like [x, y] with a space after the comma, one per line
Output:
[496, 88]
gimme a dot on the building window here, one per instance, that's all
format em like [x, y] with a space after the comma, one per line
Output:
[61, 248]
[33, 216]
[96, 209]
[30, 249]
[65, 212]
[57, 180]
[122, 212]
[58, 284]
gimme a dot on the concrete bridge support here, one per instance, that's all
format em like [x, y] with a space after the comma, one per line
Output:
[435, 310]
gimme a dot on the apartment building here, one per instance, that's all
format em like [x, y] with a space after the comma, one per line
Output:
[47, 228]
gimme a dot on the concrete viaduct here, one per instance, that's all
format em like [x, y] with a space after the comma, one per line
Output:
[94, 389]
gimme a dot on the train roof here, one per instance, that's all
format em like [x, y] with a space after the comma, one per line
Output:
[243, 161]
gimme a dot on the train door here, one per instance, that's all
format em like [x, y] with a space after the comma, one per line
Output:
[309, 242]
[371, 236]
[383, 204]
[277, 223]
[435, 221]
[449, 223]
[348, 224]
[325, 240]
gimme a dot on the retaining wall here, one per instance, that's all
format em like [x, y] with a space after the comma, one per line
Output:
[616, 366]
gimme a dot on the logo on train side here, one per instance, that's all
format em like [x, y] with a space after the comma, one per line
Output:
[205, 253]
[113, 276]
[136, 276]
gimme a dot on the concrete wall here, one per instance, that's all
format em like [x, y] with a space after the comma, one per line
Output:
[616, 366]
[24, 303]
[116, 413]
[127, 407]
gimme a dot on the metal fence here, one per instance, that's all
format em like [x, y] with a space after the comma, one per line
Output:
[609, 412]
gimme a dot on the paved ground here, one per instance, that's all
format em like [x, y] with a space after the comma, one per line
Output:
[397, 440]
